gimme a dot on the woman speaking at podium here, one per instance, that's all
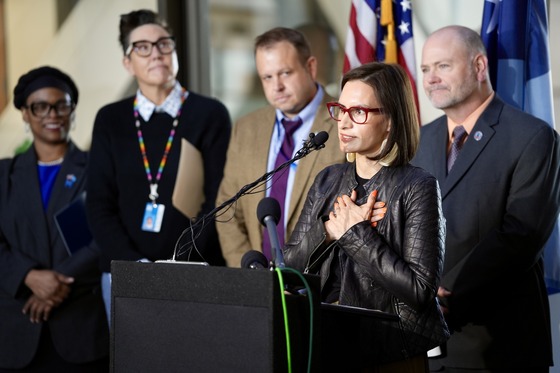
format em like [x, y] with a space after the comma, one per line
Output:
[384, 256]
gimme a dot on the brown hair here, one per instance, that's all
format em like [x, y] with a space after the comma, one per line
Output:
[393, 90]
[279, 34]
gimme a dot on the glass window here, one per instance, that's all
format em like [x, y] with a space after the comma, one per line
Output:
[234, 25]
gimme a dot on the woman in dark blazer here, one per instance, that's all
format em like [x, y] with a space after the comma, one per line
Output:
[51, 310]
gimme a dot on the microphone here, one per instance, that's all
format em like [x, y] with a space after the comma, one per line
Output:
[254, 259]
[319, 140]
[315, 142]
[268, 213]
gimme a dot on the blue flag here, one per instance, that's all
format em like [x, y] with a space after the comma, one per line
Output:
[515, 33]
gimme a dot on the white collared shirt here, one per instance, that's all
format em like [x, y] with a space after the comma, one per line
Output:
[171, 105]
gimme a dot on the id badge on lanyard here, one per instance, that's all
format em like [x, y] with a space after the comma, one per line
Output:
[153, 213]
[153, 216]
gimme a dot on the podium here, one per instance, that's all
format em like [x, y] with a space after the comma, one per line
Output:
[179, 317]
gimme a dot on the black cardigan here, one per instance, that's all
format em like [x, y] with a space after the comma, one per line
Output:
[118, 186]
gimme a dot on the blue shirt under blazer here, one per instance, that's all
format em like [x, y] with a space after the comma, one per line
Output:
[29, 240]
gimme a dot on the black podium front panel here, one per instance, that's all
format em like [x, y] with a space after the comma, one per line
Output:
[170, 317]
[176, 336]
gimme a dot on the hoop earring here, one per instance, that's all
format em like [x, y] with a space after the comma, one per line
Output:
[383, 145]
[391, 156]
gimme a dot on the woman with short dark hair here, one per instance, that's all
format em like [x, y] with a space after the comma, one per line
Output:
[138, 148]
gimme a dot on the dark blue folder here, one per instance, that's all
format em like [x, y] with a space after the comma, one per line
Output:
[72, 225]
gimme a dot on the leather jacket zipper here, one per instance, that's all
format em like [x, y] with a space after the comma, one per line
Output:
[318, 260]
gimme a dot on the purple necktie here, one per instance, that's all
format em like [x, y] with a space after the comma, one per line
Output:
[280, 182]
[459, 134]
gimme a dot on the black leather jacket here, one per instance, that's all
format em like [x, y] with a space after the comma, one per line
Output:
[395, 267]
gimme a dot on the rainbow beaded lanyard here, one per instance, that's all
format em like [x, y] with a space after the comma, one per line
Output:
[154, 185]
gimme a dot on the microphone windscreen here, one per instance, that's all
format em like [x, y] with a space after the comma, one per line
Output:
[320, 138]
[268, 207]
[252, 257]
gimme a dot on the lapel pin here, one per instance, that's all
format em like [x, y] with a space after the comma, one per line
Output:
[478, 135]
[70, 180]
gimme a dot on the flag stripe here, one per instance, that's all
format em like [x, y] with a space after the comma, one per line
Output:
[363, 47]
[350, 57]
[407, 49]
[365, 19]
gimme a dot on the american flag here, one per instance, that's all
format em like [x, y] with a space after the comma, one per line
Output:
[515, 33]
[381, 30]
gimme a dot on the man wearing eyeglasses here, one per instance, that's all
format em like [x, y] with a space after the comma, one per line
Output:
[136, 149]
[264, 139]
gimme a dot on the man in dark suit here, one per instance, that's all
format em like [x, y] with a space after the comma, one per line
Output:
[287, 71]
[501, 199]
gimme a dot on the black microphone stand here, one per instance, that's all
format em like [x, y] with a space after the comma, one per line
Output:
[308, 146]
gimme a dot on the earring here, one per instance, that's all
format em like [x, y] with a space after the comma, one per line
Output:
[27, 127]
[73, 120]
[391, 156]
[383, 144]
[350, 157]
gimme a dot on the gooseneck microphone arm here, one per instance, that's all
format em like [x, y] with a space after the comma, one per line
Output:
[278, 259]
[315, 142]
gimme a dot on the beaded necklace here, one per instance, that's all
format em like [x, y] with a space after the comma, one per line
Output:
[51, 163]
[154, 185]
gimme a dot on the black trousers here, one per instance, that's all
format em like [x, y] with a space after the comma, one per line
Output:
[48, 360]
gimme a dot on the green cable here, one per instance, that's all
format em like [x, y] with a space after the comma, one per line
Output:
[310, 297]
[286, 328]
